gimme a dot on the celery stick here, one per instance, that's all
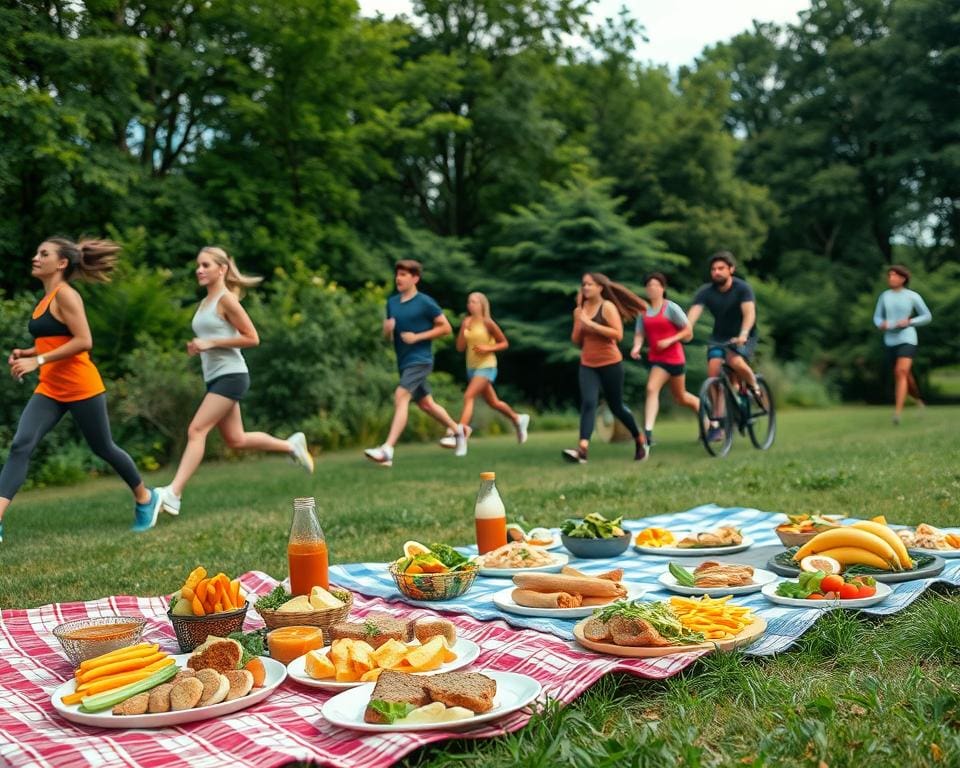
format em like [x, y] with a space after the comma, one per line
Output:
[109, 699]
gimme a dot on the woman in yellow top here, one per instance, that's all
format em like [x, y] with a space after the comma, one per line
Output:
[481, 338]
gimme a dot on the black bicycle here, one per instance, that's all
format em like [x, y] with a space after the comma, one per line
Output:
[724, 405]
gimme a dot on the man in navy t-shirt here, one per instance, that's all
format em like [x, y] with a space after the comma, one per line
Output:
[734, 336]
[413, 321]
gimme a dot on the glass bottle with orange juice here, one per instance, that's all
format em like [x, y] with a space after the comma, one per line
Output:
[307, 549]
[490, 516]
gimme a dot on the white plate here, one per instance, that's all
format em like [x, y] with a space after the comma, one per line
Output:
[692, 551]
[504, 601]
[514, 692]
[770, 592]
[559, 560]
[760, 578]
[276, 674]
[947, 553]
[467, 652]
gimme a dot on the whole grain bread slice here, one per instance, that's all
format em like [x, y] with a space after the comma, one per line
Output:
[462, 689]
[396, 687]
[375, 629]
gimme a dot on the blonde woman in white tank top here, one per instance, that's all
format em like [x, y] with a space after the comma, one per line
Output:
[222, 329]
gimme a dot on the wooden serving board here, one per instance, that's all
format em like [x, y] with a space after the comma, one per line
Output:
[750, 633]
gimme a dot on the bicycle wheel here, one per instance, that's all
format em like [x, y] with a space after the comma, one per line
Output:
[716, 413]
[762, 417]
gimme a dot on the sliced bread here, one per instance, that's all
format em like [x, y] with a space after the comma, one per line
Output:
[396, 687]
[219, 653]
[375, 629]
[462, 689]
[425, 628]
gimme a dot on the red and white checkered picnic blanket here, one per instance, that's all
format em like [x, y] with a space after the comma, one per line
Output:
[287, 726]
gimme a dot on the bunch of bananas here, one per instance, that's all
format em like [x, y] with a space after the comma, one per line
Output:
[863, 543]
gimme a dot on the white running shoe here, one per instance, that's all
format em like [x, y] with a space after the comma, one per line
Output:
[523, 424]
[460, 436]
[299, 451]
[169, 501]
[448, 440]
[382, 455]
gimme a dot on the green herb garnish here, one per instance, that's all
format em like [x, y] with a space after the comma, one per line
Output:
[370, 629]
[593, 526]
[252, 644]
[272, 601]
[391, 710]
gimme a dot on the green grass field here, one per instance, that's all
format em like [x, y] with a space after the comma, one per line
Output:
[855, 692]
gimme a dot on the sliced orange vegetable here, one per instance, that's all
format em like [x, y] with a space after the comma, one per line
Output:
[114, 681]
[197, 606]
[187, 594]
[131, 652]
[196, 576]
[235, 593]
[255, 667]
[201, 589]
[120, 666]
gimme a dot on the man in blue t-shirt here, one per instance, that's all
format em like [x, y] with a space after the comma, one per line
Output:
[734, 336]
[413, 321]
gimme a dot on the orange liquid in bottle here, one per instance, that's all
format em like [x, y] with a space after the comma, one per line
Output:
[308, 566]
[491, 533]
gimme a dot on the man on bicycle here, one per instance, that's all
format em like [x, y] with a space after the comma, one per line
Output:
[734, 336]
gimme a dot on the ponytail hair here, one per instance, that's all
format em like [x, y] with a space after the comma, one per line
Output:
[89, 260]
[628, 304]
[235, 281]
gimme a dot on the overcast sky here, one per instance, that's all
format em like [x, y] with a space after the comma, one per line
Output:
[678, 29]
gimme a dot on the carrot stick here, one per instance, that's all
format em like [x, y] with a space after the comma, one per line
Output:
[132, 652]
[197, 607]
[201, 589]
[225, 595]
[121, 666]
[115, 681]
[196, 576]
[186, 593]
[235, 593]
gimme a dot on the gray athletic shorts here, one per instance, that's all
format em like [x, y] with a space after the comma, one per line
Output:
[413, 378]
[231, 385]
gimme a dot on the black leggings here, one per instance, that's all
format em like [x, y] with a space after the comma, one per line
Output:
[40, 415]
[608, 378]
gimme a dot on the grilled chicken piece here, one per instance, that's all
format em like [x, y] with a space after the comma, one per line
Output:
[636, 633]
[724, 536]
[713, 574]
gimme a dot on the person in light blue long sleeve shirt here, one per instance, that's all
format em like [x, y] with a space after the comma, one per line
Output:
[899, 311]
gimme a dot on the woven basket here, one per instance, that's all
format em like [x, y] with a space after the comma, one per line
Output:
[192, 631]
[324, 618]
[433, 586]
[794, 539]
[83, 648]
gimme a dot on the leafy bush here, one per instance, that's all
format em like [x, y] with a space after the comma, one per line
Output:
[794, 384]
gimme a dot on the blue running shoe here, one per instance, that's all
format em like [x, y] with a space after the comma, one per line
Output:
[1, 533]
[715, 435]
[145, 515]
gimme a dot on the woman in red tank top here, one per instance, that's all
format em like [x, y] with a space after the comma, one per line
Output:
[664, 326]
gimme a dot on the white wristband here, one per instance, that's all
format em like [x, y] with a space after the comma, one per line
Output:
[40, 360]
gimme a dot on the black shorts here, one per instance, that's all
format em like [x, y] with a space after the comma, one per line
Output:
[674, 369]
[231, 385]
[900, 350]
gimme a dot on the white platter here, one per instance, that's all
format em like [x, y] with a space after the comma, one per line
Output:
[692, 551]
[514, 691]
[760, 578]
[276, 674]
[467, 652]
[770, 592]
[560, 559]
[504, 601]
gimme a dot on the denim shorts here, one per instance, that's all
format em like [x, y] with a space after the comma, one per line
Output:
[719, 351]
[487, 373]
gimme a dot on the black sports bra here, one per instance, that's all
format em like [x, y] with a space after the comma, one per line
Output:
[47, 325]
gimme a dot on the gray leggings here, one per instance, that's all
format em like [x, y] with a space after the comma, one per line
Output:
[40, 415]
[609, 378]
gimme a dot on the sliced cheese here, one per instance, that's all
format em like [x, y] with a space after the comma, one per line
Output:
[320, 598]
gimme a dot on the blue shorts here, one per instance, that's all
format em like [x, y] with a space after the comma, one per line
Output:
[487, 373]
[719, 351]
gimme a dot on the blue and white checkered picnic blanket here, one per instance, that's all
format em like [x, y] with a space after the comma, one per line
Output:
[784, 624]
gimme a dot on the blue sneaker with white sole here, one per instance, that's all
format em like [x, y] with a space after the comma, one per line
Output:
[145, 515]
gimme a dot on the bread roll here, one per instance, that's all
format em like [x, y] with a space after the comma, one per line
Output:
[533, 599]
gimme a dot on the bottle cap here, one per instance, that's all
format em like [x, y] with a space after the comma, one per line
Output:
[488, 475]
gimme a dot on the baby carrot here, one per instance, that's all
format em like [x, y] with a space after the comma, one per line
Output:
[129, 665]
[121, 654]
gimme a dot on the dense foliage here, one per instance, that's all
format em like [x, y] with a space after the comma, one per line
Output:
[318, 146]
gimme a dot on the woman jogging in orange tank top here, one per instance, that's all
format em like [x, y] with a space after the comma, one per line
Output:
[69, 381]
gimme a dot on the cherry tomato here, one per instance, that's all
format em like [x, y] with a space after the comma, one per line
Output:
[865, 590]
[831, 583]
[815, 596]
[849, 591]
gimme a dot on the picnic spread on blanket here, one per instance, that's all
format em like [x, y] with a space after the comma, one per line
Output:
[367, 662]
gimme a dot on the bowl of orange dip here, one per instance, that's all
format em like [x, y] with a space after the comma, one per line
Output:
[88, 638]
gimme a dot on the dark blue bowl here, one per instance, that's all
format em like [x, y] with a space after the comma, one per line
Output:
[596, 548]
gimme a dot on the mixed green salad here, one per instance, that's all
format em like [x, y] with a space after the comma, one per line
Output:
[593, 526]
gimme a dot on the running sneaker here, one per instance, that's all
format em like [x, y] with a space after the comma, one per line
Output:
[382, 455]
[460, 436]
[896, 419]
[574, 455]
[1, 533]
[523, 424]
[715, 435]
[648, 433]
[145, 515]
[299, 451]
[449, 440]
[641, 452]
[169, 501]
